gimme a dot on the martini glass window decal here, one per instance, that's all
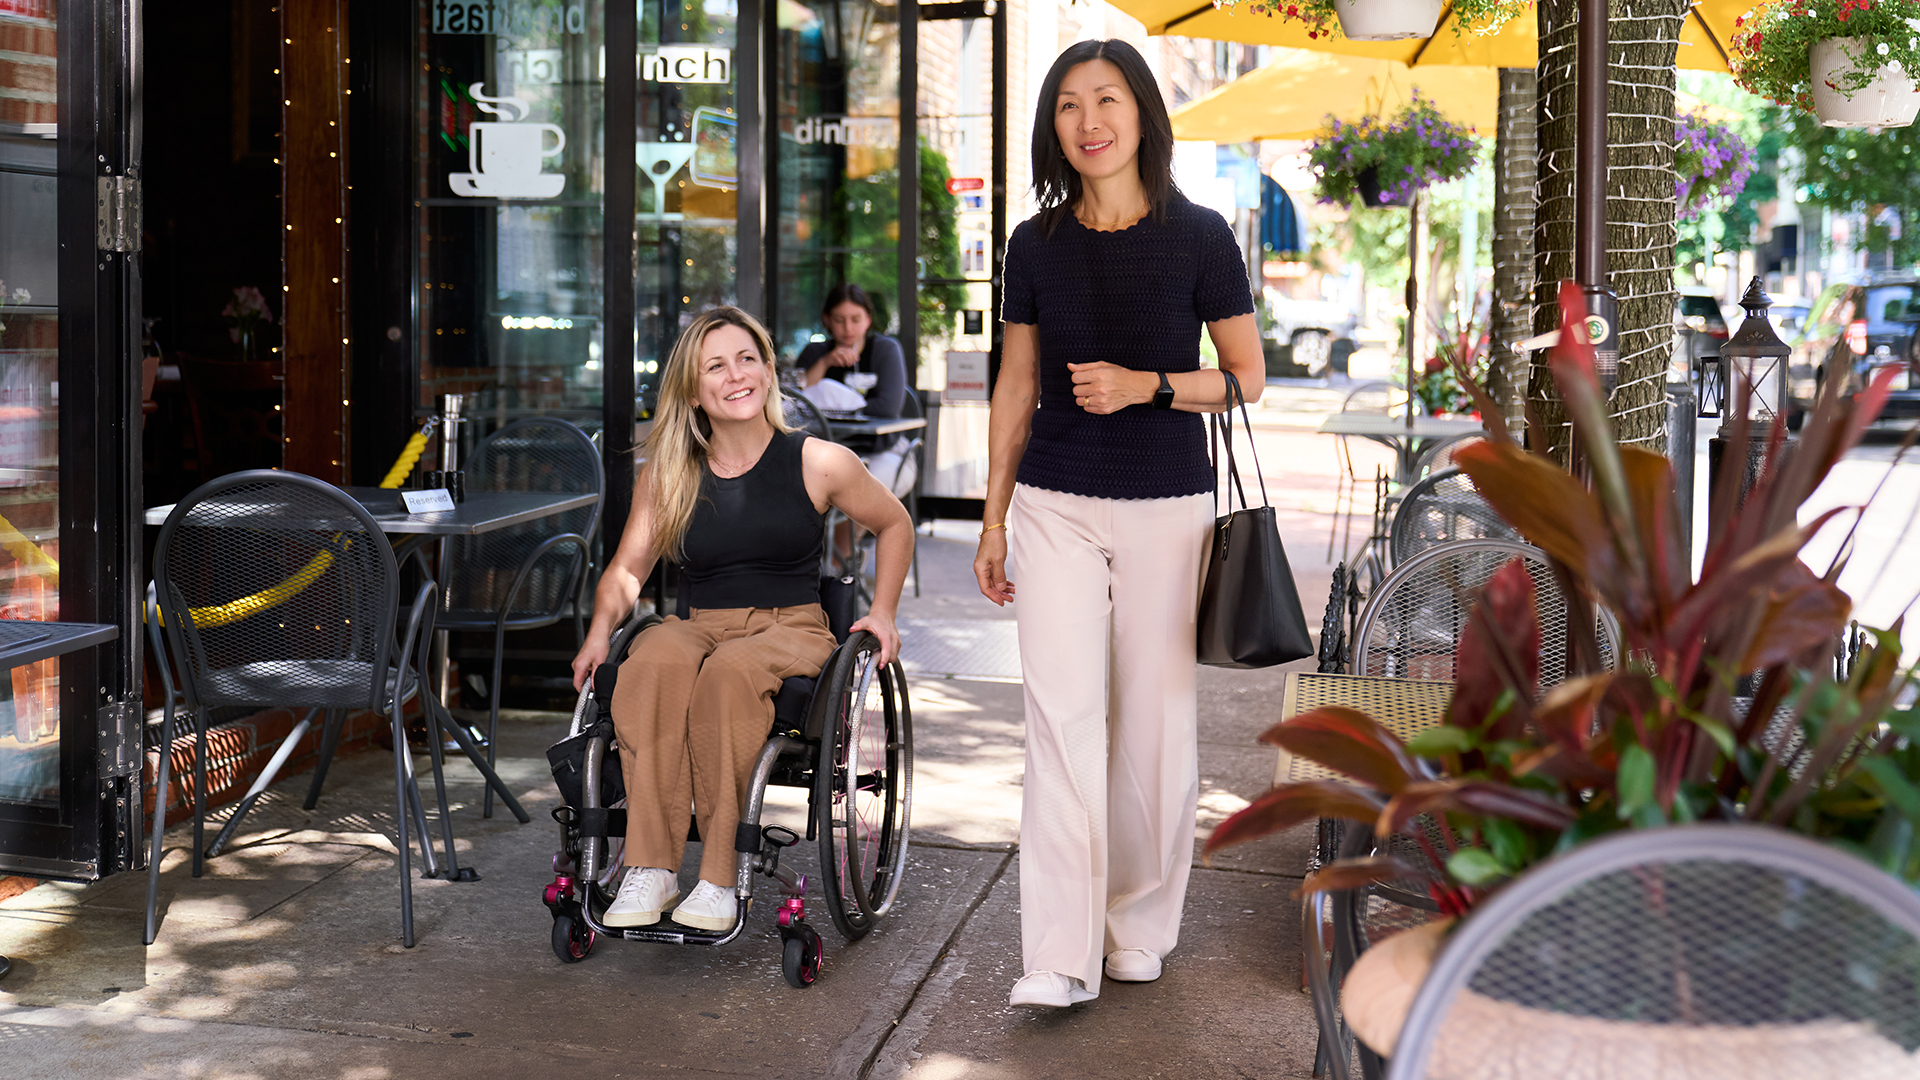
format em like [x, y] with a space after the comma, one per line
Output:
[507, 155]
[660, 161]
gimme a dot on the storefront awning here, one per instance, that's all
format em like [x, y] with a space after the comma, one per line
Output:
[1292, 96]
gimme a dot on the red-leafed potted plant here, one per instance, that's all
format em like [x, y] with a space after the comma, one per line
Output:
[1510, 779]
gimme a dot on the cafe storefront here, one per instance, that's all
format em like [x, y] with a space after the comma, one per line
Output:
[273, 233]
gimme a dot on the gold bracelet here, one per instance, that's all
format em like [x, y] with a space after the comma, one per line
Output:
[990, 528]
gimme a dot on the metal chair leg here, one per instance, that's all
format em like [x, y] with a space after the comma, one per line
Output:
[200, 791]
[159, 823]
[329, 745]
[455, 872]
[493, 710]
[400, 824]
[479, 760]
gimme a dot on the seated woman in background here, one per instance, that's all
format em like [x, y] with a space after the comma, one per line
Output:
[878, 369]
[738, 499]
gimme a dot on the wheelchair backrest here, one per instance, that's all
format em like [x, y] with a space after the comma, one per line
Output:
[839, 596]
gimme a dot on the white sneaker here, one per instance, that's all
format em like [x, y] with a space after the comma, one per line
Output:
[643, 896]
[1132, 965]
[708, 907]
[1049, 988]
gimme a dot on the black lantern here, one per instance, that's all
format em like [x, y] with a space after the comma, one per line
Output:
[1756, 358]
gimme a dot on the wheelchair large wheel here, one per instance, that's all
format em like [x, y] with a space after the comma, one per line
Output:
[863, 787]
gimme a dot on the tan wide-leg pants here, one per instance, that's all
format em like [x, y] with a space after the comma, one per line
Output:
[692, 709]
[1107, 591]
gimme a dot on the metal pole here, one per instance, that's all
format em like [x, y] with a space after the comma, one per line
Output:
[1413, 301]
[1590, 147]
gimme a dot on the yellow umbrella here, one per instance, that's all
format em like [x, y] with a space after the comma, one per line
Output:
[1703, 41]
[1291, 97]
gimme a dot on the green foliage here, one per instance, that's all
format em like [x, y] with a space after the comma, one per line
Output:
[873, 233]
[1770, 50]
[1860, 170]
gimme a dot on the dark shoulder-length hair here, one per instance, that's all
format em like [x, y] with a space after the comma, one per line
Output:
[1056, 183]
[849, 293]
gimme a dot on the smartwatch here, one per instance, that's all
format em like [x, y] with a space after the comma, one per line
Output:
[1163, 397]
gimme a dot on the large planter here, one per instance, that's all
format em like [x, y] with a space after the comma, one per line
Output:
[1370, 193]
[1890, 100]
[1387, 20]
[1489, 1039]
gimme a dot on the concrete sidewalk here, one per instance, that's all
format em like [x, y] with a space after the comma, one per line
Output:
[285, 959]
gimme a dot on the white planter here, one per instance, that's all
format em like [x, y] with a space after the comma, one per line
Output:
[1387, 20]
[1890, 100]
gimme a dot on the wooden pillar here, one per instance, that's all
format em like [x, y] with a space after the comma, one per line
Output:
[316, 350]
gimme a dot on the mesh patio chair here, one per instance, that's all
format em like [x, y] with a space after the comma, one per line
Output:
[1443, 507]
[525, 576]
[1414, 620]
[277, 590]
[1438, 454]
[802, 413]
[1703, 951]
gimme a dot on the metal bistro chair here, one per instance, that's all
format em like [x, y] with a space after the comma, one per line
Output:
[1414, 620]
[280, 591]
[525, 576]
[1704, 951]
[912, 450]
[1443, 507]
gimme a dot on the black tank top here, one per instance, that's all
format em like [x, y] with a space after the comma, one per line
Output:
[755, 540]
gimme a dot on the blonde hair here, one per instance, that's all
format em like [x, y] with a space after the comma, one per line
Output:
[677, 447]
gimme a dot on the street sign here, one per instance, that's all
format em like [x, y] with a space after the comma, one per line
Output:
[965, 183]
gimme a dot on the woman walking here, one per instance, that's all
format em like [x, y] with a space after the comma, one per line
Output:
[1100, 491]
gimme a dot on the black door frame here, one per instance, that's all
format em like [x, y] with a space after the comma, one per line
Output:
[97, 826]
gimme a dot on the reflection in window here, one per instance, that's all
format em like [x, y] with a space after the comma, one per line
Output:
[29, 402]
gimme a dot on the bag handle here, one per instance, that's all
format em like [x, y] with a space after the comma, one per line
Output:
[1222, 425]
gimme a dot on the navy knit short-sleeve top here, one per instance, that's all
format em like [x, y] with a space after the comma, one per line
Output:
[1137, 297]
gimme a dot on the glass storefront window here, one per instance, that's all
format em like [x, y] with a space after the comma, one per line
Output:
[509, 188]
[29, 394]
[836, 107]
[687, 153]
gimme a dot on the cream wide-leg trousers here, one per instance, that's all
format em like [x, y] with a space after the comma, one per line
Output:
[1105, 606]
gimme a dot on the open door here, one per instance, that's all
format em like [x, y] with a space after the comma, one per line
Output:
[70, 413]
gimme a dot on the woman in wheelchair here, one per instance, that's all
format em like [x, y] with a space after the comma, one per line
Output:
[737, 499]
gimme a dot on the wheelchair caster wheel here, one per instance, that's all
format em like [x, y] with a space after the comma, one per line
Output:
[572, 938]
[801, 964]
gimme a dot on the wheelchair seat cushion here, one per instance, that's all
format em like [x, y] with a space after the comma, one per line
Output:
[790, 706]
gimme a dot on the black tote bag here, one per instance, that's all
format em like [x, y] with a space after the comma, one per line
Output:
[1250, 613]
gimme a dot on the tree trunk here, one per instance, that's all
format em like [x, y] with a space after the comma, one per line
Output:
[1515, 169]
[1643, 38]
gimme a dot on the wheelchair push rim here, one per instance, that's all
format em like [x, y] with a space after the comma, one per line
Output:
[863, 790]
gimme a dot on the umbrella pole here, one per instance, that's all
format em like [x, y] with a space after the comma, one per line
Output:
[1413, 297]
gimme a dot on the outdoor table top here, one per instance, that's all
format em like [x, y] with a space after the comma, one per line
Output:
[1405, 707]
[846, 427]
[1376, 425]
[482, 512]
[24, 641]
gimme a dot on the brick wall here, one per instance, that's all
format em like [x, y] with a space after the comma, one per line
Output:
[28, 75]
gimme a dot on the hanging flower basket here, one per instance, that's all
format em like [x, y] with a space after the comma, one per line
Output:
[1850, 62]
[1386, 163]
[1887, 99]
[1372, 194]
[1387, 20]
[1384, 20]
[1711, 164]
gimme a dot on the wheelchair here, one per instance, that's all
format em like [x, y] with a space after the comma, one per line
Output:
[845, 737]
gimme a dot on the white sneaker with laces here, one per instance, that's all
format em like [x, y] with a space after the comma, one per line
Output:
[643, 896]
[1051, 989]
[708, 907]
[1132, 965]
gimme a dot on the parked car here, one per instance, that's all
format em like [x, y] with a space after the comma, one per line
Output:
[1312, 331]
[1857, 328]
[1699, 329]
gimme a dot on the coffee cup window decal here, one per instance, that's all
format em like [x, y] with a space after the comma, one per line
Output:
[508, 154]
